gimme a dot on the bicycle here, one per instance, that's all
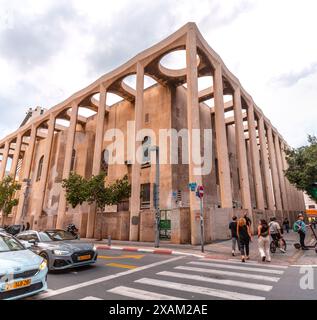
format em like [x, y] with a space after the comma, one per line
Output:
[281, 244]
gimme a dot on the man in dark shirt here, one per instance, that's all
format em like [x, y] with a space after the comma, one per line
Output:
[234, 235]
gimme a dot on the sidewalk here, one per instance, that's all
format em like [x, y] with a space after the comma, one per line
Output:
[215, 250]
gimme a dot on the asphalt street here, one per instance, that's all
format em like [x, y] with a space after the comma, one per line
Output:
[123, 275]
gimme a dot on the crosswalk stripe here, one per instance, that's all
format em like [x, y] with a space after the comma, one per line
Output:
[234, 283]
[252, 263]
[197, 289]
[230, 273]
[141, 294]
[90, 298]
[242, 268]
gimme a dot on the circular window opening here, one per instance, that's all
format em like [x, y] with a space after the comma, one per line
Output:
[130, 81]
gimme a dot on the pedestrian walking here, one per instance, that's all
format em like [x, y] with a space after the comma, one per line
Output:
[234, 235]
[244, 235]
[300, 228]
[264, 240]
[286, 225]
[27, 226]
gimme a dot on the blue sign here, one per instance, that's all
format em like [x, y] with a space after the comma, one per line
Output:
[192, 186]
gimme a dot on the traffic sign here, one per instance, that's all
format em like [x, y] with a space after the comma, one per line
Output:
[200, 192]
[192, 186]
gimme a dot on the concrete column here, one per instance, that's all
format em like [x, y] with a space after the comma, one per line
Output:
[280, 171]
[241, 151]
[193, 123]
[4, 160]
[67, 164]
[97, 156]
[255, 159]
[265, 164]
[221, 141]
[136, 166]
[46, 163]
[16, 156]
[287, 183]
[275, 178]
[26, 174]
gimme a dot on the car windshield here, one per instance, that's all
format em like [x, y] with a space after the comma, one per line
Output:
[44, 237]
[60, 235]
[8, 243]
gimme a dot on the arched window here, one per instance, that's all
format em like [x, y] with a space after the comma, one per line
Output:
[105, 161]
[72, 165]
[146, 144]
[39, 169]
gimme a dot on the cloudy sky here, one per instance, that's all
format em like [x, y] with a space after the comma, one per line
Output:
[50, 49]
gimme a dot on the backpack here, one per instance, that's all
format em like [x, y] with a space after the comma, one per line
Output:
[296, 227]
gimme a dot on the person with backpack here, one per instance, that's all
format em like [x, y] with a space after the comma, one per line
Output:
[264, 240]
[244, 235]
[300, 228]
[234, 235]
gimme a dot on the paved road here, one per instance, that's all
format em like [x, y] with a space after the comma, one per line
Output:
[121, 275]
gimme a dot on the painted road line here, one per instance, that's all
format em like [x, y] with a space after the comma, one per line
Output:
[230, 273]
[120, 265]
[106, 278]
[141, 294]
[91, 298]
[197, 289]
[242, 268]
[252, 263]
[304, 265]
[234, 283]
[124, 256]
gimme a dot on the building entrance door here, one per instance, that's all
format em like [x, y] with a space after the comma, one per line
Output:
[165, 224]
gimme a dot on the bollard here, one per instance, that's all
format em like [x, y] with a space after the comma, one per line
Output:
[109, 240]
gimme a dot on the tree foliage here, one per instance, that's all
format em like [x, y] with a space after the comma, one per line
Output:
[94, 190]
[8, 189]
[302, 171]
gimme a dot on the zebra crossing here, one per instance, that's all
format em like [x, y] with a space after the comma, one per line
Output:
[205, 279]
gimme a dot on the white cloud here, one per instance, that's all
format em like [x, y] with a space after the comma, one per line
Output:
[50, 49]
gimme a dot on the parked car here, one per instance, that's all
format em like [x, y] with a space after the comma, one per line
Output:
[22, 272]
[60, 248]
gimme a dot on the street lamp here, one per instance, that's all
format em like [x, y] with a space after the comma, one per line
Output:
[157, 195]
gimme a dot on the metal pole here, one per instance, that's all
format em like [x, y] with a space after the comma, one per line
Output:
[201, 224]
[157, 199]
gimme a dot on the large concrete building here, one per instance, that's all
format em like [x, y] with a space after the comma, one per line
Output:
[247, 154]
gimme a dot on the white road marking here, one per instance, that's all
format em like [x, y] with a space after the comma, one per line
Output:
[197, 289]
[234, 283]
[141, 294]
[91, 298]
[103, 279]
[230, 273]
[242, 268]
[253, 263]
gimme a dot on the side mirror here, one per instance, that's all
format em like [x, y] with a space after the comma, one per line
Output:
[32, 242]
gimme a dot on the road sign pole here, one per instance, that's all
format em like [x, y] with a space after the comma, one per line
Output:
[201, 224]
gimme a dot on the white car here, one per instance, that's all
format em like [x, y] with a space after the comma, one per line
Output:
[22, 272]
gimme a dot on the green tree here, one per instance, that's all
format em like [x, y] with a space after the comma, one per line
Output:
[302, 171]
[94, 190]
[76, 188]
[8, 189]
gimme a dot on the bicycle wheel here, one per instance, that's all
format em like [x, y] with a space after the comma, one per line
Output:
[273, 247]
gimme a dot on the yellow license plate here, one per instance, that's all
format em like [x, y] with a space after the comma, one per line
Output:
[17, 284]
[87, 257]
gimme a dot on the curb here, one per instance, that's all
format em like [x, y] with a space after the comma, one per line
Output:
[146, 250]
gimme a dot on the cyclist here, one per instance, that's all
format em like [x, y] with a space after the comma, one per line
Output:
[276, 234]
